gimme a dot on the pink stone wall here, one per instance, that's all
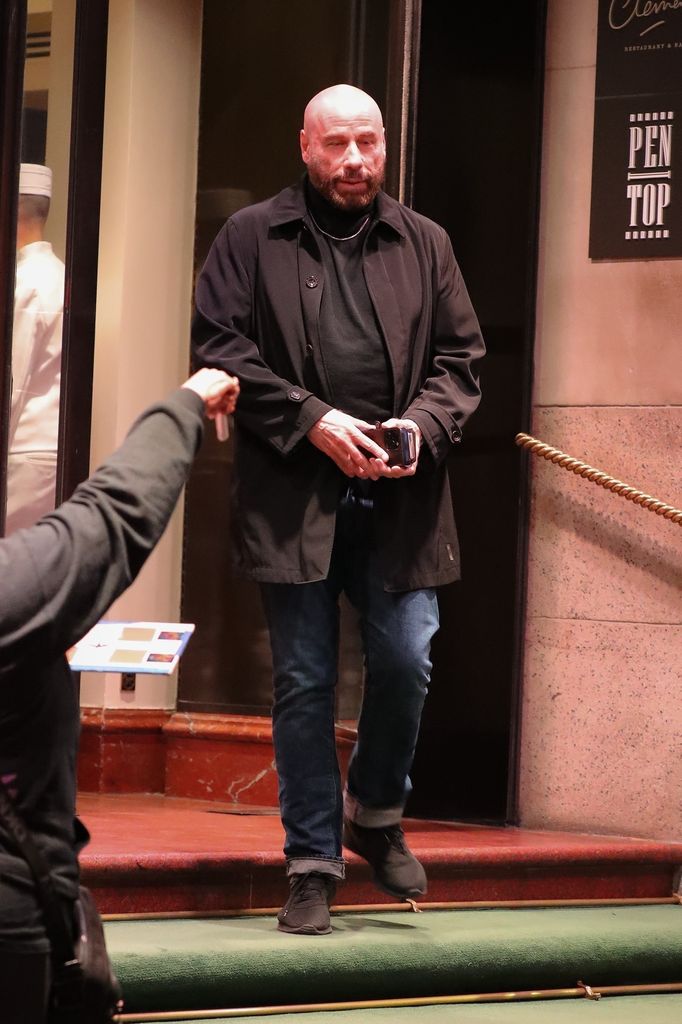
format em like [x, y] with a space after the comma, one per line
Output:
[601, 738]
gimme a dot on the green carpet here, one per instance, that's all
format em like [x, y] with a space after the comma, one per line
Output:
[621, 1010]
[183, 964]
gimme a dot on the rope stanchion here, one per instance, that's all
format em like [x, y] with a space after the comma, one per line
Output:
[579, 992]
[545, 451]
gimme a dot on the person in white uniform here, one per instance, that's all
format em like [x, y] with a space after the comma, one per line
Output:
[36, 357]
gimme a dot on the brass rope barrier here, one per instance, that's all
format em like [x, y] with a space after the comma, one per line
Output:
[581, 992]
[372, 908]
[560, 458]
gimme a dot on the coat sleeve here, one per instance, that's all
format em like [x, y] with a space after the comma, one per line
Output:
[275, 409]
[57, 578]
[450, 392]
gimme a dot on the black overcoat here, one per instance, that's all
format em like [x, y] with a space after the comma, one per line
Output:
[257, 316]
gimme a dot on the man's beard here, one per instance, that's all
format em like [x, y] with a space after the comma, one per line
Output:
[351, 201]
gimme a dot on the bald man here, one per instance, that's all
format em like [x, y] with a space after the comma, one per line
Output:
[340, 309]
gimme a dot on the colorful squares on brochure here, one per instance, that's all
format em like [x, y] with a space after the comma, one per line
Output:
[144, 647]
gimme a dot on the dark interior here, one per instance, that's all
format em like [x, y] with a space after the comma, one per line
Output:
[476, 169]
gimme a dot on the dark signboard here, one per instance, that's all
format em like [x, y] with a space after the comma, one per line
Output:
[636, 194]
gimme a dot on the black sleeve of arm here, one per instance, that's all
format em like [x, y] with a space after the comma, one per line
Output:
[451, 392]
[277, 410]
[57, 578]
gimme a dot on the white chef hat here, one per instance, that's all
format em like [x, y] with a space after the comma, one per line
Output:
[35, 180]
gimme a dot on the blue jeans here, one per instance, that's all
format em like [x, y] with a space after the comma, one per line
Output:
[396, 629]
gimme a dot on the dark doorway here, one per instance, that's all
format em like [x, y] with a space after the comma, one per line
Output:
[261, 63]
[476, 167]
[476, 173]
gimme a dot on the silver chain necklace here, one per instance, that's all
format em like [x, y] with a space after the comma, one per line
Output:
[339, 238]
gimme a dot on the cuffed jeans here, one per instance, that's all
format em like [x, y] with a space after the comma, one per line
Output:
[396, 629]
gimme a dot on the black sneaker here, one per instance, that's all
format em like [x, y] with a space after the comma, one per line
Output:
[307, 909]
[396, 869]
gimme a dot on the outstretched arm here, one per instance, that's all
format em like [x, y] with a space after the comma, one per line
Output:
[58, 577]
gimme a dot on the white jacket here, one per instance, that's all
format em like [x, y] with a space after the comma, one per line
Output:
[36, 370]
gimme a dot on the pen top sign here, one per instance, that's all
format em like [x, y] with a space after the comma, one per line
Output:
[636, 209]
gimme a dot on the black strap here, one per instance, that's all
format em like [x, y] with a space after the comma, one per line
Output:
[58, 930]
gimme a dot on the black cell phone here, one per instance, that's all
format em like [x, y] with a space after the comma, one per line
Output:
[398, 442]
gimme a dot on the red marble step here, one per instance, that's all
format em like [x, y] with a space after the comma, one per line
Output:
[183, 754]
[156, 853]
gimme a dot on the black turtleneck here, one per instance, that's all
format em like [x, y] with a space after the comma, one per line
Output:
[353, 349]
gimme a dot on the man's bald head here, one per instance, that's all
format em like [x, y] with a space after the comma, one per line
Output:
[340, 100]
[342, 144]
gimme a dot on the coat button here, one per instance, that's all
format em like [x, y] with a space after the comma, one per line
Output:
[295, 395]
[311, 281]
[309, 349]
[456, 433]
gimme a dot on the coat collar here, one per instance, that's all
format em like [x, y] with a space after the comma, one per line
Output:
[290, 206]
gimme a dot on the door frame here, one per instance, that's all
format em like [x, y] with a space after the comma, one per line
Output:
[12, 46]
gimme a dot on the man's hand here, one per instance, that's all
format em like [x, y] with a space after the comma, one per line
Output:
[218, 390]
[396, 472]
[343, 438]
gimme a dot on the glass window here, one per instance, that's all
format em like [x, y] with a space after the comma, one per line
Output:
[40, 249]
